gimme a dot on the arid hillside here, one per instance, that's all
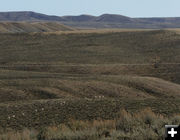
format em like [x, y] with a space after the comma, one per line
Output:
[49, 78]
[27, 27]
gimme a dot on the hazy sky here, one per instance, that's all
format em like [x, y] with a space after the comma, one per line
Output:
[132, 8]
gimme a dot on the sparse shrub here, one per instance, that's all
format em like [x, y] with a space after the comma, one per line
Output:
[23, 135]
[147, 116]
[42, 134]
[137, 126]
[125, 122]
[175, 120]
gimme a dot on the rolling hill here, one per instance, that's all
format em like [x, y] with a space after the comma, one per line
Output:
[85, 55]
[49, 78]
[88, 21]
[27, 16]
[22, 27]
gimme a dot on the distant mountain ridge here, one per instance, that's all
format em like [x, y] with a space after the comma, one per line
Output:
[88, 21]
[27, 16]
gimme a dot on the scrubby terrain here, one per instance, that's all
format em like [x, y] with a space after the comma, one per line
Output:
[142, 125]
[48, 78]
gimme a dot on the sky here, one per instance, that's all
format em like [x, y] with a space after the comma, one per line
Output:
[131, 8]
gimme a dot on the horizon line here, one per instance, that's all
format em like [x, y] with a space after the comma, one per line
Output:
[89, 14]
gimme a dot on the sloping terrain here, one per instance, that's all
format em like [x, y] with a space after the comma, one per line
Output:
[47, 86]
[48, 78]
[25, 27]
[88, 21]
[74, 64]
[27, 16]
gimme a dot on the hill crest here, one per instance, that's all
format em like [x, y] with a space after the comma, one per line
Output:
[88, 21]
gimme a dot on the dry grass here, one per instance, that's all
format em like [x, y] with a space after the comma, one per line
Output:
[27, 27]
[99, 31]
[89, 75]
[177, 30]
[137, 126]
